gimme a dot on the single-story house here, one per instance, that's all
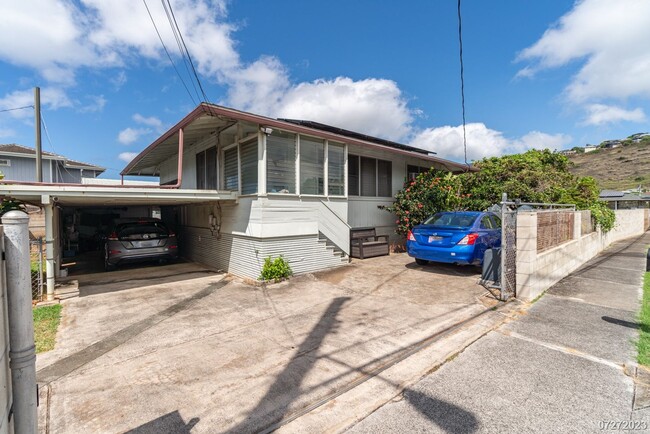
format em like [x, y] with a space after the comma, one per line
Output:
[625, 200]
[239, 187]
[18, 163]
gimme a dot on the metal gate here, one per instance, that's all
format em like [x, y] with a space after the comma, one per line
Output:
[36, 253]
[508, 281]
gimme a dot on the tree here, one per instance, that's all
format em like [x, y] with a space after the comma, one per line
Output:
[534, 176]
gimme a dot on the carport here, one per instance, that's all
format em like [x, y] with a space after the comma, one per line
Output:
[58, 200]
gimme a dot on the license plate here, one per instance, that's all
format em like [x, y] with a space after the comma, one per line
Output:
[433, 238]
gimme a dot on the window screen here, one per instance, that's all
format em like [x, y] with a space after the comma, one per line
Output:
[353, 175]
[248, 157]
[384, 178]
[200, 170]
[281, 163]
[312, 166]
[368, 176]
[231, 180]
[335, 169]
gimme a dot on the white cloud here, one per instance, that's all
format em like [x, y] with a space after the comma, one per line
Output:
[609, 38]
[127, 156]
[6, 132]
[51, 97]
[97, 103]
[151, 121]
[600, 114]
[130, 135]
[483, 142]
[119, 80]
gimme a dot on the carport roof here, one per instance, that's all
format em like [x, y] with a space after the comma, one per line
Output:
[98, 196]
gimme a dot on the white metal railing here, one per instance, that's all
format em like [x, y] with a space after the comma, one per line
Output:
[334, 227]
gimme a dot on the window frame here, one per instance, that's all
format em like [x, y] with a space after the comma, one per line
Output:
[377, 176]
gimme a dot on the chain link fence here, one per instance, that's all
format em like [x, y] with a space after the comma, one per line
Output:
[37, 265]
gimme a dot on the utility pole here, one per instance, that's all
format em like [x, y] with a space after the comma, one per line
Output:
[37, 115]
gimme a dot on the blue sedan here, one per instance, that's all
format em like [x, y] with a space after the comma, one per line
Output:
[459, 237]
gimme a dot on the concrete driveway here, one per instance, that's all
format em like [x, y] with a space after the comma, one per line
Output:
[180, 348]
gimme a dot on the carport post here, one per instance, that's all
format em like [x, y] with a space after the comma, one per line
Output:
[22, 352]
[49, 245]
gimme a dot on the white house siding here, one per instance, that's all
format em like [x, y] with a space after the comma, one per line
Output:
[364, 211]
[255, 229]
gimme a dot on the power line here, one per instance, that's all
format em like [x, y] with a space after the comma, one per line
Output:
[462, 81]
[167, 52]
[180, 34]
[181, 50]
[16, 108]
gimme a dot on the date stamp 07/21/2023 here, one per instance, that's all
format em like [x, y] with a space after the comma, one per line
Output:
[623, 425]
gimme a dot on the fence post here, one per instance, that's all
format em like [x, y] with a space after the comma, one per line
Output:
[22, 351]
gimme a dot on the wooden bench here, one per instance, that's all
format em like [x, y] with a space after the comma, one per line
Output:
[365, 243]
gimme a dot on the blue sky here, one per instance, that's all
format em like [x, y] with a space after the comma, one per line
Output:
[537, 74]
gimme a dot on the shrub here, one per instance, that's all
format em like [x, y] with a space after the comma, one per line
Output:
[603, 216]
[275, 270]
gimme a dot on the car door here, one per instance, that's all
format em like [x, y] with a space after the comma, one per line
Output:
[496, 240]
[486, 235]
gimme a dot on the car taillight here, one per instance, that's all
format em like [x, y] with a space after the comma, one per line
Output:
[468, 240]
[113, 236]
[410, 236]
[173, 247]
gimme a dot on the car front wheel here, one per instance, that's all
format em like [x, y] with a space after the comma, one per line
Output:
[107, 265]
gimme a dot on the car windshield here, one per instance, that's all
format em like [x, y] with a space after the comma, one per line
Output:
[451, 219]
[142, 230]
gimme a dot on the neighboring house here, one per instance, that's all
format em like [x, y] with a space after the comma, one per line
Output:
[567, 152]
[249, 187]
[590, 148]
[18, 163]
[611, 144]
[638, 137]
[624, 200]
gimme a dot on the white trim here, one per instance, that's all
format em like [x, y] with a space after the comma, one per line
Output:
[5, 162]
[261, 163]
[297, 145]
[326, 159]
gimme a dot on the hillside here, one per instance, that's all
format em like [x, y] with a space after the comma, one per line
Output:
[616, 169]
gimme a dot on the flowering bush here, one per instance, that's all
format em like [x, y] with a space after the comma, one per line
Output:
[425, 195]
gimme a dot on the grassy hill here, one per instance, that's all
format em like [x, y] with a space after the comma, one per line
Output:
[616, 169]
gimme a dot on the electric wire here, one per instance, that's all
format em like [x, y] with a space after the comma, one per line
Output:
[187, 60]
[189, 57]
[462, 81]
[167, 52]
[47, 136]
[16, 108]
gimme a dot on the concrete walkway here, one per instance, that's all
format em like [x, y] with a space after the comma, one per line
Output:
[565, 365]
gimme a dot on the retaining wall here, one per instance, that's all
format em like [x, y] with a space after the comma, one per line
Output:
[538, 271]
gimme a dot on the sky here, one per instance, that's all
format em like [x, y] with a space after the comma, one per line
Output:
[552, 74]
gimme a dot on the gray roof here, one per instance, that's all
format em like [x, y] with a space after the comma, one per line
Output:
[611, 193]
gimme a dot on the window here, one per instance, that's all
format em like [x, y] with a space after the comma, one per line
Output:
[497, 221]
[5, 162]
[335, 169]
[369, 177]
[248, 157]
[206, 169]
[231, 178]
[312, 166]
[281, 163]
[412, 172]
[486, 223]
[384, 178]
[353, 175]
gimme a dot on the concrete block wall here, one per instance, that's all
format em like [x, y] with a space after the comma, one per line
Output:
[538, 271]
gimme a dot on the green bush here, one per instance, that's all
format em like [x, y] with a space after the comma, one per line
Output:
[603, 216]
[275, 270]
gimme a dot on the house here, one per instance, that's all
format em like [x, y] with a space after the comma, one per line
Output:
[18, 163]
[239, 187]
[611, 144]
[625, 200]
[590, 148]
[567, 152]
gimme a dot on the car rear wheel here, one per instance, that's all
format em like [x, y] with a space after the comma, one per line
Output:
[421, 261]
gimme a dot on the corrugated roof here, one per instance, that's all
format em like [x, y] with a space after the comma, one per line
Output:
[209, 118]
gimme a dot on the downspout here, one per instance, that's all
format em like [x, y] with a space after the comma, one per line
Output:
[164, 187]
